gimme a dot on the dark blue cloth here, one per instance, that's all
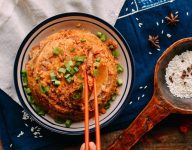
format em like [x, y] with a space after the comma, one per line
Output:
[137, 20]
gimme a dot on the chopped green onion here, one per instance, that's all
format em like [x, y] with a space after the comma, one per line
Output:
[53, 76]
[68, 123]
[95, 72]
[24, 73]
[69, 80]
[70, 70]
[115, 53]
[62, 70]
[37, 79]
[57, 82]
[111, 47]
[67, 76]
[79, 58]
[56, 50]
[59, 120]
[114, 96]
[68, 63]
[81, 87]
[99, 34]
[108, 104]
[96, 64]
[119, 82]
[78, 64]
[44, 89]
[98, 59]
[27, 90]
[38, 109]
[103, 38]
[119, 69]
[24, 77]
[73, 49]
[30, 99]
[76, 95]
[76, 69]
[83, 40]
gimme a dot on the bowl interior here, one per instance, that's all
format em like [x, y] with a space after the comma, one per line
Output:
[70, 21]
[175, 49]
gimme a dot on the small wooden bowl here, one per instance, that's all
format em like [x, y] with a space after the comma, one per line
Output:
[161, 104]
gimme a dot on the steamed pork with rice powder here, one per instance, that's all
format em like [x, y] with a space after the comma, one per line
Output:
[53, 76]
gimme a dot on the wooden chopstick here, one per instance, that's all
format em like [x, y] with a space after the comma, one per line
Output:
[97, 126]
[86, 111]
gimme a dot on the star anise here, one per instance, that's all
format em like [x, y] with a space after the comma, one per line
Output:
[172, 19]
[154, 41]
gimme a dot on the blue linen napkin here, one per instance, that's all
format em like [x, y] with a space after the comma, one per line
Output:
[137, 20]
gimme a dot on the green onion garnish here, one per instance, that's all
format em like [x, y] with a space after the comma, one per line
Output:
[53, 76]
[115, 53]
[108, 104]
[24, 77]
[119, 69]
[27, 90]
[111, 47]
[68, 123]
[81, 87]
[68, 63]
[67, 76]
[37, 79]
[95, 72]
[83, 40]
[78, 64]
[99, 34]
[72, 50]
[38, 109]
[119, 82]
[56, 82]
[59, 120]
[69, 80]
[56, 50]
[96, 64]
[30, 99]
[70, 70]
[76, 95]
[98, 59]
[113, 97]
[44, 89]
[62, 70]
[76, 69]
[79, 58]
[103, 38]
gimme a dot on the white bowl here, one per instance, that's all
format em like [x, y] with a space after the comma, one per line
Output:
[69, 21]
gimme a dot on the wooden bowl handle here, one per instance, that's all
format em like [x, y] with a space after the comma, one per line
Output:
[153, 113]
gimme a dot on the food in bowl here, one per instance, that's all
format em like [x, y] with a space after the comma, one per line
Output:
[179, 75]
[53, 75]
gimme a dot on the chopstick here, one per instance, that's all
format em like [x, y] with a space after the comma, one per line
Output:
[86, 112]
[97, 126]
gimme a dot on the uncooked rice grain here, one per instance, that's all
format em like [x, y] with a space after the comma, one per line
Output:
[178, 71]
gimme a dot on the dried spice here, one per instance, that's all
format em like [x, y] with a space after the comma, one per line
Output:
[154, 41]
[172, 19]
[171, 79]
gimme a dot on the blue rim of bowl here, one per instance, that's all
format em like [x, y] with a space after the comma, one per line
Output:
[52, 19]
